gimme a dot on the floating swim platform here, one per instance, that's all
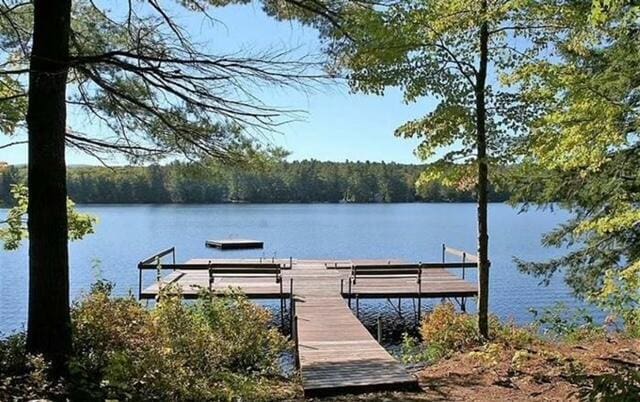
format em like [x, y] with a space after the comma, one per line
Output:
[234, 244]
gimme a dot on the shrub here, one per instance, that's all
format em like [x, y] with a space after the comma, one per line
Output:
[510, 334]
[23, 376]
[573, 326]
[446, 331]
[621, 385]
[219, 348]
[412, 351]
[449, 330]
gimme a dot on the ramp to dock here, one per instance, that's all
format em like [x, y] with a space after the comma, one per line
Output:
[337, 354]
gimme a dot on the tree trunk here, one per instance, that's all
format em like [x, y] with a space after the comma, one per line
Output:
[481, 134]
[49, 324]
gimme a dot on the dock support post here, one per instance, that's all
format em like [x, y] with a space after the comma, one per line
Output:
[139, 282]
[379, 329]
[291, 302]
[420, 294]
[357, 306]
[281, 305]
[444, 251]
[400, 307]
[349, 292]
[210, 276]
[463, 304]
[295, 337]
[292, 323]
[464, 258]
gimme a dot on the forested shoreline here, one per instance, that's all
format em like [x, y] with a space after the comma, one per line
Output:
[307, 181]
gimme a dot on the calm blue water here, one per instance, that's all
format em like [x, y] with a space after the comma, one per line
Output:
[126, 234]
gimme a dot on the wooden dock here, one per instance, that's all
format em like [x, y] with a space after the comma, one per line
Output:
[336, 353]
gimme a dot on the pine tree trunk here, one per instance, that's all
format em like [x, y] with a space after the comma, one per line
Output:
[483, 235]
[49, 325]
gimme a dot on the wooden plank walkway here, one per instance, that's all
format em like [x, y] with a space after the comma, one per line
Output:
[337, 354]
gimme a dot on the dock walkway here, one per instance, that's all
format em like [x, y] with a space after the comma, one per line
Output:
[336, 353]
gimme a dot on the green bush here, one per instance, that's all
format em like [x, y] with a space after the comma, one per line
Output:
[446, 331]
[450, 330]
[22, 376]
[570, 325]
[219, 348]
[620, 385]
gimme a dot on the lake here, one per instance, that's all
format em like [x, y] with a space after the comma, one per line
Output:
[125, 234]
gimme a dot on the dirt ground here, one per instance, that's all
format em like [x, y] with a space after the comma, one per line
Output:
[542, 372]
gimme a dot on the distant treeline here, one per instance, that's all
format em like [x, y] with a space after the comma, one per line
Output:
[299, 181]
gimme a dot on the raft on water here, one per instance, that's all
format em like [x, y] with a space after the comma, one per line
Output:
[234, 244]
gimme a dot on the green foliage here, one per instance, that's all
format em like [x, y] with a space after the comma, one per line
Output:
[446, 331]
[23, 376]
[218, 349]
[266, 182]
[154, 91]
[620, 385]
[559, 322]
[413, 351]
[620, 294]
[80, 225]
[450, 330]
[13, 103]
[512, 335]
[582, 151]
[15, 230]
[431, 48]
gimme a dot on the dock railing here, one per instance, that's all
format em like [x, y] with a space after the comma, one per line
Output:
[214, 269]
[467, 260]
[382, 271]
[155, 263]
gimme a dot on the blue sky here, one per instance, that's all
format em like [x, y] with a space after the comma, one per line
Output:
[336, 125]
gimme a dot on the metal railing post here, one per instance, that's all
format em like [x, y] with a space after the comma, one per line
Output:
[444, 251]
[420, 295]
[297, 342]
[139, 281]
[464, 259]
[281, 306]
[291, 305]
[211, 279]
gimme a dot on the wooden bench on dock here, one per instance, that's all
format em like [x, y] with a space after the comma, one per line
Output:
[244, 270]
[385, 271]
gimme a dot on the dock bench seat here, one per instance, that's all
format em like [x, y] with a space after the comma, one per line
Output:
[244, 270]
[382, 271]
